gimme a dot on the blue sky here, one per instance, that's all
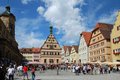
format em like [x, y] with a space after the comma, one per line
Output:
[68, 17]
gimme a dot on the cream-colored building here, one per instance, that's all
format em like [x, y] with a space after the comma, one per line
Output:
[74, 56]
[50, 50]
[66, 50]
[115, 40]
[30, 55]
[84, 46]
[100, 46]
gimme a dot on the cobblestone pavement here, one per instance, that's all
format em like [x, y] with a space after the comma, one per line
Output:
[68, 75]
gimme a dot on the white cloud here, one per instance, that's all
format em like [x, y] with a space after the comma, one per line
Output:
[108, 18]
[25, 34]
[40, 10]
[26, 1]
[66, 17]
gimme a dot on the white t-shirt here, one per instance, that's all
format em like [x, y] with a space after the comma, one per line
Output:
[21, 67]
[77, 67]
[11, 71]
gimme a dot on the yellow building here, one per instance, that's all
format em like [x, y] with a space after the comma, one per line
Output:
[115, 40]
[100, 47]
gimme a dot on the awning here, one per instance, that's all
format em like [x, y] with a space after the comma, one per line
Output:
[33, 63]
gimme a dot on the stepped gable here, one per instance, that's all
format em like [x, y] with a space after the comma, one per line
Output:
[51, 42]
[87, 36]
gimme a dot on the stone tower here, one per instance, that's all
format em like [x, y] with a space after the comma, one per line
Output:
[8, 46]
[9, 21]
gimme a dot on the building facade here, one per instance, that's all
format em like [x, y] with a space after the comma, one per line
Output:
[100, 46]
[66, 50]
[8, 45]
[50, 50]
[84, 46]
[115, 40]
[30, 55]
[74, 56]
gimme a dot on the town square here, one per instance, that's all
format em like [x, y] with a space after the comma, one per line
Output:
[59, 40]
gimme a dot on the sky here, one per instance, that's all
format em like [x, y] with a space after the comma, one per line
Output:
[68, 18]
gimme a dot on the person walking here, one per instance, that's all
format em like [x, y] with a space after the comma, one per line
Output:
[11, 72]
[57, 69]
[25, 70]
[77, 69]
[33, 73]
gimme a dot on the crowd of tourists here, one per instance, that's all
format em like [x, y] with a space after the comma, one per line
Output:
[9, 69]
[94, 69]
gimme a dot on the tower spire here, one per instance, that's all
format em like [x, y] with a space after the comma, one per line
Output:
[51, 29]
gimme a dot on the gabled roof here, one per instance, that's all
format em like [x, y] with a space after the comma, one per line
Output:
[105, 29]
[75, 47]
[103, 25]
[51, 40]
[106, 34]
[67, 47]
[87, 36]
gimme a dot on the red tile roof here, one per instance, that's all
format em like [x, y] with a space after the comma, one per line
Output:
[105, 29]
[102, 25]
[87, 37]
[30, 50]
[75, 47]
[36, 49]
[67, 47]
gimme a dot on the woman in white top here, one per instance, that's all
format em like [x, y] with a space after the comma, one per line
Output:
[11, 72]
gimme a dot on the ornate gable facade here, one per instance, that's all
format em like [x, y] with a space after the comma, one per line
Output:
[50, 51]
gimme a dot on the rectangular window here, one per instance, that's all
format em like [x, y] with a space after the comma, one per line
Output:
[118, 27]
[93, 40]
[51, 61]
[45, 60]
[57, 61]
